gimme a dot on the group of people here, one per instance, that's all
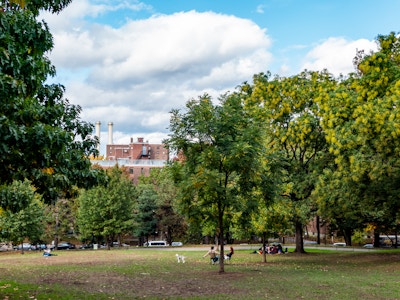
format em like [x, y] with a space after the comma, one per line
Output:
[274, 249]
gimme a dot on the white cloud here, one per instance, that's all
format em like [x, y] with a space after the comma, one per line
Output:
[336, 55]
[126, 64]
[134, 74]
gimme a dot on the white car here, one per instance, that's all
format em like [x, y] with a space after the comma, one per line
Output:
[156, 244]
[176, 244]
[339, 245]
[26, 246]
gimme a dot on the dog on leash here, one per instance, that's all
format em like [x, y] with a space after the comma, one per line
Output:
[180, 258]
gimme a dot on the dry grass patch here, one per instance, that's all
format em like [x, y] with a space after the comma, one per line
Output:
[155, 274]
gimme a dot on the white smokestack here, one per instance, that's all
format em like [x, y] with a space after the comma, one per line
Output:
[98, 134]
[110, 133]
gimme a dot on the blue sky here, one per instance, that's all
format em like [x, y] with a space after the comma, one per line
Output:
[130, 62]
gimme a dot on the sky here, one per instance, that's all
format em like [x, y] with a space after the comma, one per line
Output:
[131, 62]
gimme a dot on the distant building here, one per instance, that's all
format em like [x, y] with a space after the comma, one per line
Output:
[138, 150]
[138, 157]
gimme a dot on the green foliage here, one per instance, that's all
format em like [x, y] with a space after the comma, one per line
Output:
[41, 136]
[107, 211]
[34, 6]
[272, 220]
[169, 221]
[61, 220]
[221, 149]
[19, 222]
[361, 121]
[294, 134]
[146, 213]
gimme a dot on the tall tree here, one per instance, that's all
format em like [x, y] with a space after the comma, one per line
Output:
[292, 120]
[42, 138]
[146, 220]
[170, 221]
[21, 213]
[362, 124]
[61, 220]
[221, 147]
[107, 211]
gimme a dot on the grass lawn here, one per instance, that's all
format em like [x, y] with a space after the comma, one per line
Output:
[155, 274]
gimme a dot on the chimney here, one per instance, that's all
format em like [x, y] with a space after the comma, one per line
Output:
[110, 133]
[98, 134]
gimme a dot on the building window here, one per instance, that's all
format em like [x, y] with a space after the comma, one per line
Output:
[130, 170]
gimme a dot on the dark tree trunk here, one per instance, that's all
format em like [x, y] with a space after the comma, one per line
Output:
[347, 236]
[376, 240]
[264, 244]
[299, 238]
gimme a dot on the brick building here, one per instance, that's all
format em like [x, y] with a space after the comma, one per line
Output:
[138, 157]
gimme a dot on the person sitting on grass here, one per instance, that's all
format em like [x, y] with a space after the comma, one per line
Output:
[213, 255]
[230, 252]
[47, 252]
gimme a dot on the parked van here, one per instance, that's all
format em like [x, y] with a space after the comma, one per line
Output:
[387, 241]
[156, 244]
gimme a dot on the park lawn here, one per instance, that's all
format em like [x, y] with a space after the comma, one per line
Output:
[155, 274]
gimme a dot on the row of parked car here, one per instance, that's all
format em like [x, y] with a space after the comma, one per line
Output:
[60, 246]
[67, 245]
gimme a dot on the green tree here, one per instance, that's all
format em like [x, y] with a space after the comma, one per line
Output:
[34, 6]
[107, 211]
[61, 220]
[292, 120]
[170, 221]
[221, 147]
[271, 220]
[361, 121]
[42, 138]
[146, 221]
[21, 213]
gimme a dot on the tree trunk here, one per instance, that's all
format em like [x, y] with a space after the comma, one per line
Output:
[108, 242]
[221, 236]
[299, 238]
[347, 236]
[376, 240]
[264, 244]
[318, 231]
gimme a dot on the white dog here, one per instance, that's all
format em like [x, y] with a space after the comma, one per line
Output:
[180, 258]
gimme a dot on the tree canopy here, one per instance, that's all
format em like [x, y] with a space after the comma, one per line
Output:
[42, 137]
[291, 118]
[21, 213]
[361, 121]
[221, 149]
[107, 211]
